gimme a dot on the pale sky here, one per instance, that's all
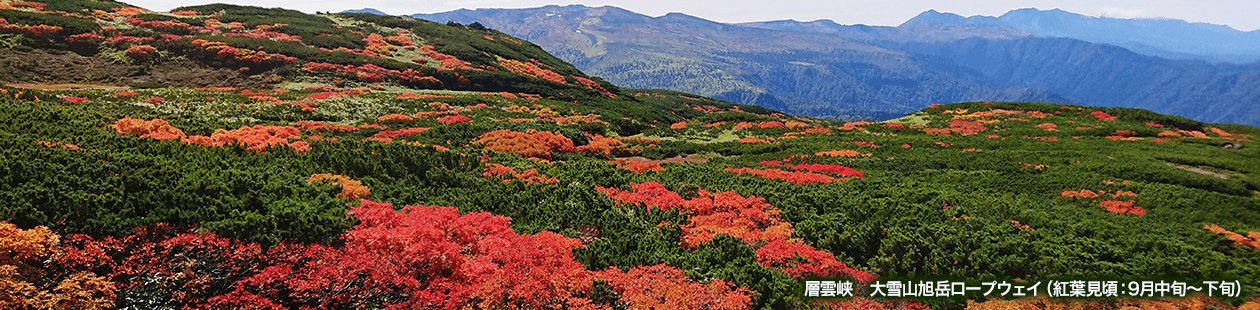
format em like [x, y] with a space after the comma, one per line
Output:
[1239, 14]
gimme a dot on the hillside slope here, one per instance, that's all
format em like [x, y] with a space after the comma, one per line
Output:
[490, 175]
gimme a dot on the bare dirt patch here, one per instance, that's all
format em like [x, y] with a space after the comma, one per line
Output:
[58, 67]
[1200, 171]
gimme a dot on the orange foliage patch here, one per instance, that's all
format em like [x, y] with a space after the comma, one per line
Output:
[1084, 193]
[753, 140]
[750, 219]
[958, 126]
[394, 118]
[1251, 240]
[350, 189]
[1122, 207]
[22, 256]
[306, 105]
[156, 128]
[795, 124]
[536, 144]
[601, 144]
[1169, 134]
[1123, 193]
[1223, 133]
[256, 138]
[844, 153]
[525, 68]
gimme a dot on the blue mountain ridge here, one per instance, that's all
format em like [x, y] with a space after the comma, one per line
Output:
[823, 68]
[365, 10]
[1168, 38]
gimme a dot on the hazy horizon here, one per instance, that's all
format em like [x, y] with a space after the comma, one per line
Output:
[1235, 14]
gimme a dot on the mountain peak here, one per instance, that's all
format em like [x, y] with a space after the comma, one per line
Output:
[1163, 37]
[366, 10]
[935, 17]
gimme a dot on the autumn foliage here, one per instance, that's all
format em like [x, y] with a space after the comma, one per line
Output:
[255, 138]
[394, 118]
[637, 166]
[427, 257]
[749, 218]
[454, 119]
[350, 189]
[530, 69]
[1122, 207]
[537, 144]
[507, 174]
[25, 284]
[1251, 240]
[156, 128]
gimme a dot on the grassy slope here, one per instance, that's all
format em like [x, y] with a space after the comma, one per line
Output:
[929, 205]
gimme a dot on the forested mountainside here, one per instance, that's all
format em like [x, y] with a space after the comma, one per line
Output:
[226, 157]
[822, 68]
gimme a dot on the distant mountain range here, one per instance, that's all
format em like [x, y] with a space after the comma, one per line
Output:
[1168, 38]
[823, 68]
[366, 10]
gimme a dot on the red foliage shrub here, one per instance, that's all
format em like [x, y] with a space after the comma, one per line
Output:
[794, 177]
[748, 218]
[1103, 116]
[317, 126]
[770, 124]
[74, 99]
[454, 119]
[801, 260]
[665, 287]
[637, 166]
[594, 86]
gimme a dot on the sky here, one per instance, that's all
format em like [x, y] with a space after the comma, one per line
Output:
[1239, 14]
